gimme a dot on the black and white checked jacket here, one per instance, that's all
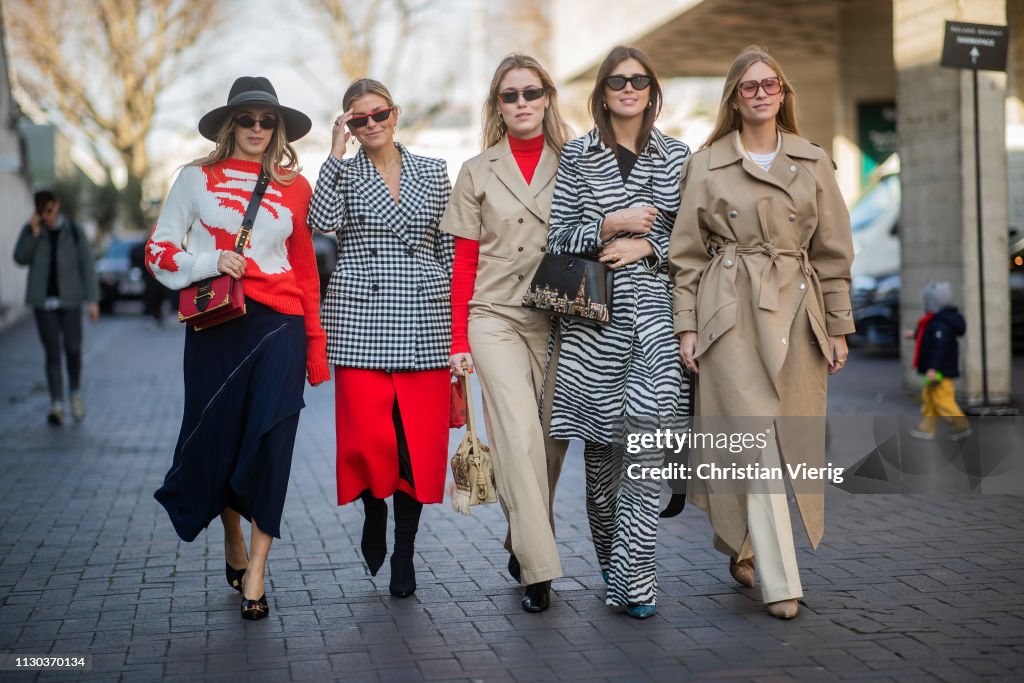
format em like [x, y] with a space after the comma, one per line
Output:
[388, 304]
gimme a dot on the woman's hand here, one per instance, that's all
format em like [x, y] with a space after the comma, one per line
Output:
[231, 264]
[340, 135]
[839, 352]
[461, 364]
[638, 219]
[94, 311]
[36, 224]
[622, 252]
[687, 349]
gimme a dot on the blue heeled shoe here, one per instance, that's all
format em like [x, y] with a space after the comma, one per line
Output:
[641, 611]
[604, 575]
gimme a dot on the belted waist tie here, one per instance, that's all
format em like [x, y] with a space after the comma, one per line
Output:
[769, 281]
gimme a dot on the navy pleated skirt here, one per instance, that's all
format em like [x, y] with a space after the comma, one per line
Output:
[243, 393]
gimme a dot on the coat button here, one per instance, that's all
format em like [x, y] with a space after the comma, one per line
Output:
[792, 217]
[543, 248]
[411, 252]
[727, 263]
[803, 285]
[792, 168]
[521, 277]
[520, 248]
[783, 340]
[711, 336]
[419, 288]
[733, 214]
[520, 220]
[373, 252]
[375, 287]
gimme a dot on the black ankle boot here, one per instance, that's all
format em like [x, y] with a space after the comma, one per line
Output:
[374, 543]
[407, 522]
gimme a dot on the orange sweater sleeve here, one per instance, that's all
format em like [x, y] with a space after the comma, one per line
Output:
[303, 261]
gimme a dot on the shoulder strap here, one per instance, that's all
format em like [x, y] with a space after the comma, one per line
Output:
[242, 239]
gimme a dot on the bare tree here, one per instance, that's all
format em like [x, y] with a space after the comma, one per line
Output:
[99, 66]
[372, 37]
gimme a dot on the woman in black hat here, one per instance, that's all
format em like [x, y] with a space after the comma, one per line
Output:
[243, 378]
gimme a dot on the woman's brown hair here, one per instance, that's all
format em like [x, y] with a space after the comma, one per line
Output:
[598, 108]
[729, 119]
[556, 131]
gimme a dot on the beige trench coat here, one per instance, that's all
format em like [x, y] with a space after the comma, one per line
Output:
[760, 263]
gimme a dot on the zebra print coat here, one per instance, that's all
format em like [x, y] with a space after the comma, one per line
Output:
[630, 367]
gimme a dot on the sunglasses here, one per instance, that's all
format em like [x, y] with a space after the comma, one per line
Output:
[529, 94]
[247, 121]
[619, 82]
[378, 116]
[771, 86]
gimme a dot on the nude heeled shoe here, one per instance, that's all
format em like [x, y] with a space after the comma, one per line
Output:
[743, 571]
[784, 609]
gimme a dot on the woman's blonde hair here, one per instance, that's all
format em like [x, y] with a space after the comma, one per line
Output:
[365, 86]
[556, 131]
[280, 161]
[729, 119]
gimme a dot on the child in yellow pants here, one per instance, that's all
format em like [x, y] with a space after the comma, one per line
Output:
[937, 357]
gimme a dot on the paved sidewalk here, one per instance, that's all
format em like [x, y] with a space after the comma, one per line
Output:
[902, 588]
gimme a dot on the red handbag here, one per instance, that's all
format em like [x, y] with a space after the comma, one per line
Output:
[219, 299]
[211, 302]
[457, 408]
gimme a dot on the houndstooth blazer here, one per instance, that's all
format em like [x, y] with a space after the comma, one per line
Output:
[388, 303]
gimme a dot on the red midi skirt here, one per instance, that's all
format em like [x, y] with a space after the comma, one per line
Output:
[367, 440]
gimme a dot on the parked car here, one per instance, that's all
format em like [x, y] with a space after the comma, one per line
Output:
[118, 278]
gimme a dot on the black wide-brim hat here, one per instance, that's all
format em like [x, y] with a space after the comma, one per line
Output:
[254, 90]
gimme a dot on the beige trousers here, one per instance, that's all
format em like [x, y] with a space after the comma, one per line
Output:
[770, 535]
[510, 354]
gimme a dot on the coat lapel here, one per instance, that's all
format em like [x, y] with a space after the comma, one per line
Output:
[543, 175]
[397, 216]
[600, 169]
[505, 169]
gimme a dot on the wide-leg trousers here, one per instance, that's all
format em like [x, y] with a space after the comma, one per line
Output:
[510, 355]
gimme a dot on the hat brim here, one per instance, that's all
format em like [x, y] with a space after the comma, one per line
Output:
[296, 124]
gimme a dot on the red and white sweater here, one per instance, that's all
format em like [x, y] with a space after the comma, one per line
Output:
[202, 215]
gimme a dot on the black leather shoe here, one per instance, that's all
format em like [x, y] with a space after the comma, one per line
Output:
[403, 576]
[514, 570]
[538, 597]
[254, 610]
[234, 576]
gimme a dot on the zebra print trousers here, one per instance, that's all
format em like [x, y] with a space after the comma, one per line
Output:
[623, 514]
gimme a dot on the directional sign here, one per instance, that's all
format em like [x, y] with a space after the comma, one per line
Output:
[975, 46]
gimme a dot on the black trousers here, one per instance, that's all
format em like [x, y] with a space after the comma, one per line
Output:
[63, 324]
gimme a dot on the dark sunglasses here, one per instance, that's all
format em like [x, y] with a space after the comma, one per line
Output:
[247, 121]
[771, 86]
[619, 82]
[378, 116]
[529, 94]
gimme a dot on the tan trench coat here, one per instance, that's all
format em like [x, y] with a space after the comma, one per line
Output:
[760, 263]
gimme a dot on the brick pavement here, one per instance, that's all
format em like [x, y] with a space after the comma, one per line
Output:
[902, 588]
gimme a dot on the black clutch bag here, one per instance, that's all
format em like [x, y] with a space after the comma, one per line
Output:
[573, 286]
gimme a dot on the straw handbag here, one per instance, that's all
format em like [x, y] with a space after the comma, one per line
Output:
[471, 465]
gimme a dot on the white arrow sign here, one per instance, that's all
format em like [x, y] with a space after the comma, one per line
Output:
[974, 54]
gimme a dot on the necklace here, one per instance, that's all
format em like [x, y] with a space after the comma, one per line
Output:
[770, 156]
[386, 170]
